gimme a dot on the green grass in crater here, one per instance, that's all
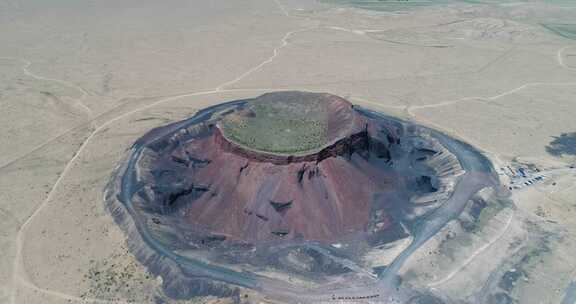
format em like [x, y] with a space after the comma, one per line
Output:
[279, 127]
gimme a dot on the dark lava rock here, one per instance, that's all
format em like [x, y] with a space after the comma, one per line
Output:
[500, 298]
[207, 187]
[425, 299]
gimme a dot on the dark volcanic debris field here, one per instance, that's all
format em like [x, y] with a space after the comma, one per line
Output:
[294, 183]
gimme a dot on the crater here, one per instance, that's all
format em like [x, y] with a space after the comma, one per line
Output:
[294, 123]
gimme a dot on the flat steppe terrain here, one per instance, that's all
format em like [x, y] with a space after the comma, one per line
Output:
[82, 80]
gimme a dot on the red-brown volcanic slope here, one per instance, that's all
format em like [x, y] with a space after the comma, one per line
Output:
[257, 196]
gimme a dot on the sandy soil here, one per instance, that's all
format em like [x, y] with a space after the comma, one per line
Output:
[82, 80]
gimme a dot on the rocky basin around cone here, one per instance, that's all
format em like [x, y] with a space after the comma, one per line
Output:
[293, 183]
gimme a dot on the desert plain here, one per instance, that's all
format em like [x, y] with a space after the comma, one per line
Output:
[83, 80]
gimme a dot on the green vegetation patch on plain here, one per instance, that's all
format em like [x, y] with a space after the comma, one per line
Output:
[562, 29]
[279, 127]
[387, 5]
[406, 5]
